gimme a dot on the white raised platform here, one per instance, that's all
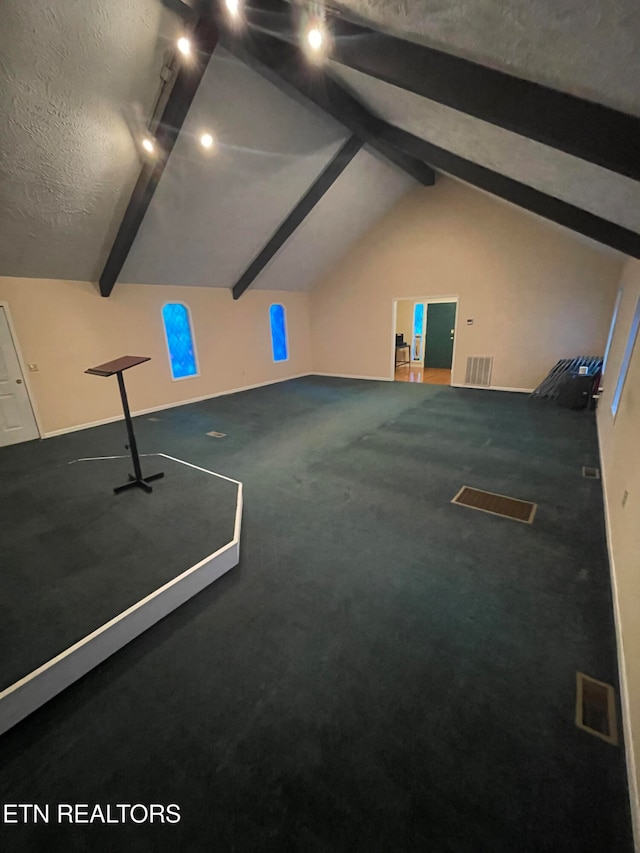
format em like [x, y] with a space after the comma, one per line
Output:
[26, 695]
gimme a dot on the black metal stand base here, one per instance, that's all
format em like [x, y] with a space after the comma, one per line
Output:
[118, 366]
[139, 482]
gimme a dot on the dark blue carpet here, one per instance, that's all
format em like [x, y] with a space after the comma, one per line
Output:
[384, 671]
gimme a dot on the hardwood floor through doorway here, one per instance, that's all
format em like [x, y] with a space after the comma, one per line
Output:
[427, 375]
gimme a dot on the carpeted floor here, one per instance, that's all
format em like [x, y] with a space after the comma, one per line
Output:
[75, 555]
[384, 671]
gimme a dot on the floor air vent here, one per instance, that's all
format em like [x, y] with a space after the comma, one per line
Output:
[590, 473]
[479, 370]
[496, 504]
[596, 708]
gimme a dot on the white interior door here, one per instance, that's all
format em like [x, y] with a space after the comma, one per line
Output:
[17, 422]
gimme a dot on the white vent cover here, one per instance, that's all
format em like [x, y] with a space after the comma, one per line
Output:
[479, 370]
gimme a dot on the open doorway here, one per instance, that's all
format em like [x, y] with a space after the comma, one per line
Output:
[424, 339]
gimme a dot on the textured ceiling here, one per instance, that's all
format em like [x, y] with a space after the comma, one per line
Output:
[590, 187]
[78, 79]
[367, 188]
[75, 77]
[214, 211]
[586, 47]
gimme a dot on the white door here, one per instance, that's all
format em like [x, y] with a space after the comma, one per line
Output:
[17, 422]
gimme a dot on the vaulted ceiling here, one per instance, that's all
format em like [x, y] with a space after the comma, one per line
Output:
[589, 48]
[77, 80]
[213, 211]
[480, 97]
[556, 173]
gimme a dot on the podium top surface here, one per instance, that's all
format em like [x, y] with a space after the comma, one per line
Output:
[118, 365]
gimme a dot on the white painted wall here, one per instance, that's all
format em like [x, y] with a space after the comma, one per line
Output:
[535, 293]
[620, 461]
[65, 327]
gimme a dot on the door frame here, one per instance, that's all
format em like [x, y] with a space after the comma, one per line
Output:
[425, 300]
[23, 367]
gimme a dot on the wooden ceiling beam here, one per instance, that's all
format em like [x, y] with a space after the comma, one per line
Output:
[204, 38]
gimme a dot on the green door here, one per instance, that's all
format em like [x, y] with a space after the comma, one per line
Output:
[441, 321]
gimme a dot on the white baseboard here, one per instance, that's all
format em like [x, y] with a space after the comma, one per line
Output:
[79, 427]
[26, 695]
[164, 406]
[493, 388]
[353, 376]
[634, 793]
[161, 408]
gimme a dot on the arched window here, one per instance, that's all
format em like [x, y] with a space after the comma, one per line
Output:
[278, 333]
[177, 330]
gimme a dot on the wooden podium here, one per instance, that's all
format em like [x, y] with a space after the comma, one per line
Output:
[118, 366]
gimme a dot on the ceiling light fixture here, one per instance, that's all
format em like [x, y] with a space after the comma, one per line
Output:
[206, 140]
[233, 7]
[315, 38]
[147, 144]
[184, 46]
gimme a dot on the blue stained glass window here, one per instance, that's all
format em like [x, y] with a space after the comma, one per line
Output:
[418, 317]
[177, 328]
[278, 333]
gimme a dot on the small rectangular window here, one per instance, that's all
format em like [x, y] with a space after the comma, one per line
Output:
[177, 330]
[626, 359]
[278, 333]
[614, 317]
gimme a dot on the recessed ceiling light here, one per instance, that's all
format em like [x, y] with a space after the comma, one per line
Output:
[315, 38]
[233, 7]
[147, 144]
[206, 140]
[184, 46]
